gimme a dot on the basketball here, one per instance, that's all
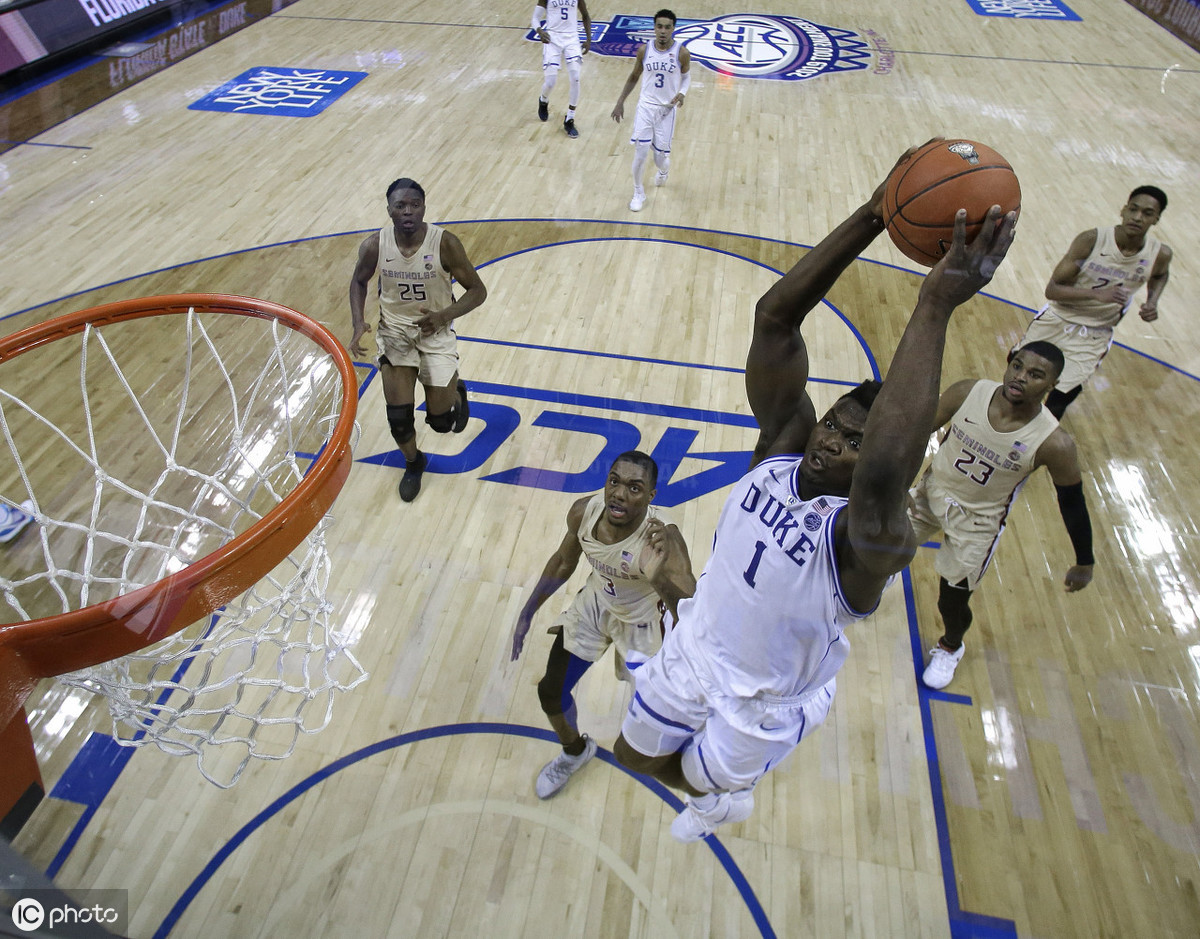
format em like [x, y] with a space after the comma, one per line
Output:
[921, 196]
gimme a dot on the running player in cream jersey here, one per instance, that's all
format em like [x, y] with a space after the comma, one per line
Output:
[414, 262]
[664, 67]
[1093, 286]
[556, 23]
[998, 434]
[618, 605]
[807, 541]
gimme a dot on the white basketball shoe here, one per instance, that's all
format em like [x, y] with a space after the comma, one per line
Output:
[696, 822]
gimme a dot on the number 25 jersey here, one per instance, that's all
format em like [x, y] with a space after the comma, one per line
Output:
[408, 283]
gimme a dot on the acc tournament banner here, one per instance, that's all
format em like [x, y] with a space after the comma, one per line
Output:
[746, 45]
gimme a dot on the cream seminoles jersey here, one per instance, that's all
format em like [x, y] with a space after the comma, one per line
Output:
[661, 75]
[622, 590]
[769, 611]
[980, 468]
[1107, 265]
[562, 20]
[408, 283]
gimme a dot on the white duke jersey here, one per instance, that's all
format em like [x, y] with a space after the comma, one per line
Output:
[562, 20]
[622, 589]
[1107, 265]
[661, 75]
[980, 468]
[769, 611]
[407, 284]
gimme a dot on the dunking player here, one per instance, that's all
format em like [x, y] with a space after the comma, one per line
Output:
[414, 262]
[999, 434]
[556, 23]
[618, 605]
[664, 66]
[806, 542]
[1092, 288]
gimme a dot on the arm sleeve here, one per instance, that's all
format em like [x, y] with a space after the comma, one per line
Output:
[539, 17]
[685, 82]
[1073, 507]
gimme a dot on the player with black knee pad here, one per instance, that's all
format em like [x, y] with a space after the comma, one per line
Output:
[416, 309]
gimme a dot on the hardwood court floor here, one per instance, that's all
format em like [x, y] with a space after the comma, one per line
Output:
[1050, 791]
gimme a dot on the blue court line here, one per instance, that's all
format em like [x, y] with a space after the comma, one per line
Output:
[517, 730]
[858, 336]
[963, 924]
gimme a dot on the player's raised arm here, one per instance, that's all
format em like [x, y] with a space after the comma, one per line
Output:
[875, 539]
[777, 365]
[665, 562]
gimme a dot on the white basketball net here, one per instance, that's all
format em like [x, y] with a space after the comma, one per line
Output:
[153, 468]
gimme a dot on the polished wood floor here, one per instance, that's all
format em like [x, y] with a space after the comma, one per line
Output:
[1050, 791]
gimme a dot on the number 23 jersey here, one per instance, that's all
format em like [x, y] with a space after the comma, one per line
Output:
[982, 469]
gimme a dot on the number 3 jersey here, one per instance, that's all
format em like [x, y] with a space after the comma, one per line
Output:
[616, 576]
[769, 611]
[408, 283]
[662, 75]
[978, 468]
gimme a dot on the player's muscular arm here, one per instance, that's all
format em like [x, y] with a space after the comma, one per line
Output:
[1058, 454]
[665, 562]
[618, 111]
[1157, 283]
[874, 537]
[951, 400]
[360, 281]
[587, 27]
[557, 572]
[454, 259]
[1062, 279]
[777, 365]
[685, 70]
[539, 17]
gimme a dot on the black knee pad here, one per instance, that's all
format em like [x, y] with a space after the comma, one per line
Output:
[954, 603]
[443, 423]
[550, 693]
[402, 421]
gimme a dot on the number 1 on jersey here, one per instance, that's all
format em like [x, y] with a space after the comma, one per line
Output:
[749, 572]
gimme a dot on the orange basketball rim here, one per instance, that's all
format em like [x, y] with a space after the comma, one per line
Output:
[55, 645]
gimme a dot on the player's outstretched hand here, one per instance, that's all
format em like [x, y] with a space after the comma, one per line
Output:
[520, 631]
[968, 268]
[654, 554]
